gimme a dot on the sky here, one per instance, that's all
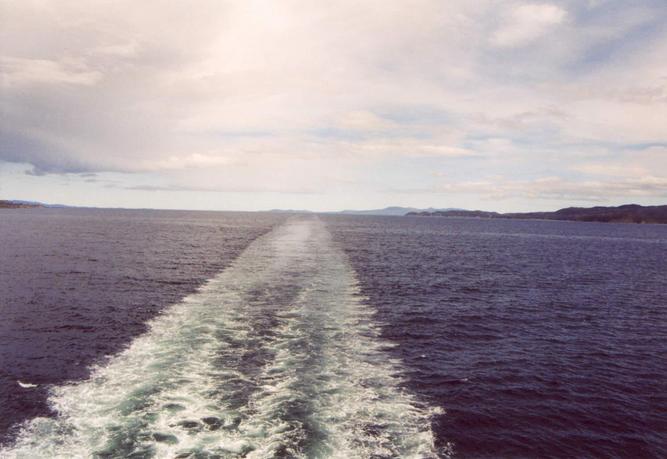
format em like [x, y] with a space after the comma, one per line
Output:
[338, 104]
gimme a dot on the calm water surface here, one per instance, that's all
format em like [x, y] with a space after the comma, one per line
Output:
[540, 339]
[195, 334]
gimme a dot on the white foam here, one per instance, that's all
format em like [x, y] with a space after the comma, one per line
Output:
[26, 385]
[276, 355]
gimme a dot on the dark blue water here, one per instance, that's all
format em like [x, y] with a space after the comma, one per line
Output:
[330, 337]
[540, 339]
[78, 285]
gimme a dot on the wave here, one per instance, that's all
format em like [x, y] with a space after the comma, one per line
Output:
[277, 356]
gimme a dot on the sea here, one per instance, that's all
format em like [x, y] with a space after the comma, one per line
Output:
[178, 334]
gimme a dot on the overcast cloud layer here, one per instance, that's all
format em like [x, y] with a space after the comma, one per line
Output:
[501, 105]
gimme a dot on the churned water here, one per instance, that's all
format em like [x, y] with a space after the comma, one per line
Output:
[202, 335]
[277, 356]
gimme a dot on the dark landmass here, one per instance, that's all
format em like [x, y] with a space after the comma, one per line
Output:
[18, 204]
[392, 211]
[629, 213]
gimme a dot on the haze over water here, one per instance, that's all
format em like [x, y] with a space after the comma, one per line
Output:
[194, 334]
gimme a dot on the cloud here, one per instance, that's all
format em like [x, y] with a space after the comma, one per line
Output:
[557, 188]
[632, 163]
[193, 160]
[18, 71]
[365, 121]
[325, 96]
[525, 23]
[406, 147]
[216, 189]
[123, 50]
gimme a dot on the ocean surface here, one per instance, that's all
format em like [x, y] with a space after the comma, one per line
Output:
[219, 335]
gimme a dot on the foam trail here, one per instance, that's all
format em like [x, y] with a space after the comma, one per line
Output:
[275, 357]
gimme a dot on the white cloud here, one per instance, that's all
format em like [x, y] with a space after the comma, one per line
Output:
[560, 189]
[635, 164]
[525, 23]
[121, 49]
[16, 71]
[408, 148]
[363, 120]
[193, 160]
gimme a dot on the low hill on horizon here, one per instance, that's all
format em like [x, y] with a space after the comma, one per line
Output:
[9, 204]
[627, 213]
[395, 211]
[392, 211]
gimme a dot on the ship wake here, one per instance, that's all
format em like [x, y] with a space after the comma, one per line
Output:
[277, 356]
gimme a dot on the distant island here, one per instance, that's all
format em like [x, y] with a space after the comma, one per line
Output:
[629, 213]
[18, 204]
[392, 211]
